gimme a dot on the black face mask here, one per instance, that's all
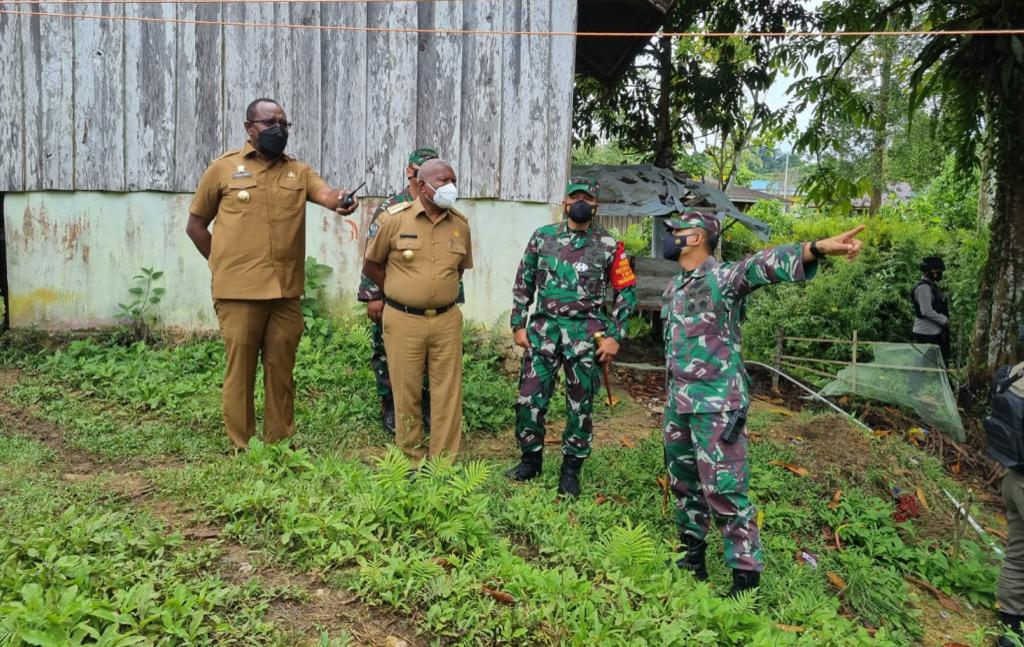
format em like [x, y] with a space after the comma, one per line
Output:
[672, 246]
[936, 275]
[581, 212]
[273, 141]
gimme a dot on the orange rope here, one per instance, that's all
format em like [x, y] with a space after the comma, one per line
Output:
[496, 32]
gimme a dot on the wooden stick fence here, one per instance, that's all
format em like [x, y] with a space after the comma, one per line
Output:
[799, 362]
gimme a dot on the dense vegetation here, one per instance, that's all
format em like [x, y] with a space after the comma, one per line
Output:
[466, 556]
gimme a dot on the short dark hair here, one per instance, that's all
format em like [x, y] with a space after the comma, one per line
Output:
[250, 110]
[712, 241]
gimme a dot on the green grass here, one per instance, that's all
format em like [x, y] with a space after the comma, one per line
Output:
[590, 572]
[77, 569]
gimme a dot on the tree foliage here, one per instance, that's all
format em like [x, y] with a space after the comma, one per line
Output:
[679, 91]
[975, 85]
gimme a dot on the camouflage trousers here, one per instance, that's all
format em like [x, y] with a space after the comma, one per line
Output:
[379, 364]
[709, 479]
[556, 343]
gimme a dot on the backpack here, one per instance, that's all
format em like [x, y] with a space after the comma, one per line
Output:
[1004, 427]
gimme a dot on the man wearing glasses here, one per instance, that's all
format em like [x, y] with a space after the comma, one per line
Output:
[256, 198]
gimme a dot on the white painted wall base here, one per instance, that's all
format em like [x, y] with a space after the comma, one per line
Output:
[71, 256]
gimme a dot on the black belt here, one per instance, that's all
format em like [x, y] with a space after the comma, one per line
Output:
[421, 312]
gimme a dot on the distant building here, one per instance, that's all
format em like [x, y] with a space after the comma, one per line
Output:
[745, 197]
[895, 192]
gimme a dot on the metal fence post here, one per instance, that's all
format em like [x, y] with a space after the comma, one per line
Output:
[780, 338]
[855, 362]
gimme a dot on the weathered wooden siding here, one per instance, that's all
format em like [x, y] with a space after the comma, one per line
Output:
[130, 106]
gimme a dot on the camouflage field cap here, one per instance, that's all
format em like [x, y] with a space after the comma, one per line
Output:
[694, 219]
[588, 185]
[420, 155]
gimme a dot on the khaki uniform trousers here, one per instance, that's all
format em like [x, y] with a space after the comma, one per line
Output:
[271, 328]
[1010, 591]
[414, 343]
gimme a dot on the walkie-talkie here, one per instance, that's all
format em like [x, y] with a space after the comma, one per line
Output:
[350, 199]
[733, 428]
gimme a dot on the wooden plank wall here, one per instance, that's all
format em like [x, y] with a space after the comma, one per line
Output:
[114, 105]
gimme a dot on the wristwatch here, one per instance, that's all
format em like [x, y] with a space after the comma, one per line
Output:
[817, 253]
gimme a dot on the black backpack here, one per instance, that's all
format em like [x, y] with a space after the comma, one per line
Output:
[1004, 427]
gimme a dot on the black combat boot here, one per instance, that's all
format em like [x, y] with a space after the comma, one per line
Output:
[387, 414]
[744, 581]
[569, 478]
[693, 561]
[1012, 623]
[529, 467]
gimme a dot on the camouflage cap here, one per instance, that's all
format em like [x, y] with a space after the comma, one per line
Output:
[695, 219]
[420, 155]
[588, 185]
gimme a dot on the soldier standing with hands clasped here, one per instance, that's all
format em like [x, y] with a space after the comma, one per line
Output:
[705, 444]
[569, 266]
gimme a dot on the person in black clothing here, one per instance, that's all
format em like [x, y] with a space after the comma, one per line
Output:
[931, 323]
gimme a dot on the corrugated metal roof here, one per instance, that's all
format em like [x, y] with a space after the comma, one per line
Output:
[647, 190]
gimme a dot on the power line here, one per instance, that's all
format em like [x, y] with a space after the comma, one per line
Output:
[479, 32]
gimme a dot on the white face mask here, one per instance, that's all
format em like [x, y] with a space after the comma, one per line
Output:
[445, 195]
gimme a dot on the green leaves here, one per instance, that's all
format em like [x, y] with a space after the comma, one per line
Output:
[140, 312]
[97, 577]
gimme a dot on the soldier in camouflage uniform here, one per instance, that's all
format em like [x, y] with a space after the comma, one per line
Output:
[705, 444]
[570, 266]
[371, 294]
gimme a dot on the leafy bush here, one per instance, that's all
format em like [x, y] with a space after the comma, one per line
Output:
[870, 295]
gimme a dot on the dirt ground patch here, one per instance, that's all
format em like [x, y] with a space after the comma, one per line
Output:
[944, 627]
[828, 444]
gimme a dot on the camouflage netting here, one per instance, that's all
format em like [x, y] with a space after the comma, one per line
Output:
[908, 375]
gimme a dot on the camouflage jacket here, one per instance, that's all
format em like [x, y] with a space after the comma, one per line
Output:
[368, 290]
[702, 311]
[570, 272]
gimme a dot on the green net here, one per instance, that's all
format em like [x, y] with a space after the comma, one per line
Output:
[908, 375]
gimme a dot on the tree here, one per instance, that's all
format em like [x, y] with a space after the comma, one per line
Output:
[680, 89]
[977, 82]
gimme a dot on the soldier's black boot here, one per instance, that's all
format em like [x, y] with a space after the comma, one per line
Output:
[744, 581]
[387, 414]
[693, 561]
[1013, 625]
[569, 478]
[529, 467]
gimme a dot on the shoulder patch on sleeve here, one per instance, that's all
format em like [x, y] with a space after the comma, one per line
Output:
[622, 274]
[399, 207]
[372, 231]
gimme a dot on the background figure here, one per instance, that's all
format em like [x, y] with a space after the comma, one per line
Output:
[931, 312]
[1010, 591]
[570, 266]
[256, 198]
[372, 294]
[417, 255]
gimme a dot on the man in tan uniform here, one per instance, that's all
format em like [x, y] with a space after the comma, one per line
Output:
[417, 254]
[256, 198]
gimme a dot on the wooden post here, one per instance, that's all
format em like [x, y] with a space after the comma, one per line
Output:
[780, 338]
[855, 362]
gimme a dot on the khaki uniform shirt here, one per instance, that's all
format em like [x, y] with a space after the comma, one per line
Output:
[423, 259]
[259, 223]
